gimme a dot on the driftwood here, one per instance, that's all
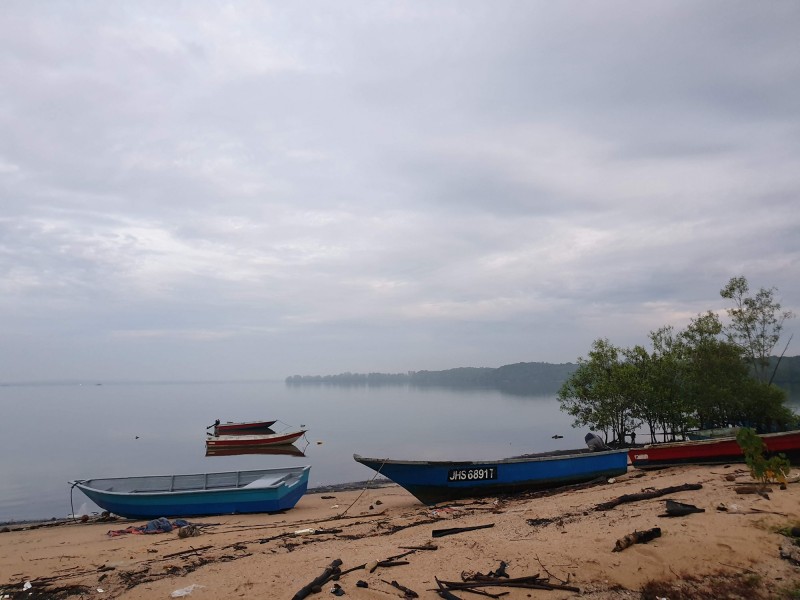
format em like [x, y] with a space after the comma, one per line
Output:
[407, 592]
[637, 537]
[759, 490]
[444, 592]
[625, 498]
[451, 530]
[392, 561]
[533, 582]
[189, 551]
[316, 585]
[425, 547]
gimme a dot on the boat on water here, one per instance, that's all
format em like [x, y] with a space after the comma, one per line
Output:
[711, 451]
[147, 497]
[432, 482]
[255, 440]
[242, 428]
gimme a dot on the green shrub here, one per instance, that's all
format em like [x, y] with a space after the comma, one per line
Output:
[763, 469]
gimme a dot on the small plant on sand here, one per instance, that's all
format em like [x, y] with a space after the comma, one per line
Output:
[763, 469]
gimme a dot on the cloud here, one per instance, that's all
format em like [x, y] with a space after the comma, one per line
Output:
[385, 187]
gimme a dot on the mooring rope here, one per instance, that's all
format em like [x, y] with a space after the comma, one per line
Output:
[378, 472]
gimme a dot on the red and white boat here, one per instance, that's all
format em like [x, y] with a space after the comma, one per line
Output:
[243, 428]
[254, 441]
[710, 451]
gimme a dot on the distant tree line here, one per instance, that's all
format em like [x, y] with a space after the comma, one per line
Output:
[524, 379]
[706, 376]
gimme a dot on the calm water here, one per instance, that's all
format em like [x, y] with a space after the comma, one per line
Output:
[56, 433]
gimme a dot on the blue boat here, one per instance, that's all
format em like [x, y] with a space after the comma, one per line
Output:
[432, 482]
[261, 491]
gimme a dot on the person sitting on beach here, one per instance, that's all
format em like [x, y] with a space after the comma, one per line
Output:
[595, 442]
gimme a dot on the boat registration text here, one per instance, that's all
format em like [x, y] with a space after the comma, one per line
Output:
[476, 474]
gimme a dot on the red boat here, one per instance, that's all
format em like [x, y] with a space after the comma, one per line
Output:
[710, 451]
[243, 428]
[253, 441]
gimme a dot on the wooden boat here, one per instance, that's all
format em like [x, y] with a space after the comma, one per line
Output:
[266, 490]
[243, 428]
[705, 434]
[710, 451]
[432, 482]
[254, 441]
[286, 450]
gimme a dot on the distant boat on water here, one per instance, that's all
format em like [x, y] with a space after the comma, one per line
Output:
[147, 497]
[241, 428]
[254, 441]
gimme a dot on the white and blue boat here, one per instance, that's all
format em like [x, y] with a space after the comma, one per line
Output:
[147, 497]
[432, 482]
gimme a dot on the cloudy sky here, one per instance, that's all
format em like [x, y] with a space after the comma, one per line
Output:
[210, 190]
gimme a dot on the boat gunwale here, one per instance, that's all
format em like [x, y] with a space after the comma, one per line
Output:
[299, 471]
[714, 440]
[543, 457]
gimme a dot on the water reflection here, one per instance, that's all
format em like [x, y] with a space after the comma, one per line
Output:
[275, 451]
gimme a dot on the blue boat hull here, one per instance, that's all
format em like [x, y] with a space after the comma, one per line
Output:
[432, 482]
[149, 505]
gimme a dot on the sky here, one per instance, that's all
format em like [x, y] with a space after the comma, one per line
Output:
[252, 190]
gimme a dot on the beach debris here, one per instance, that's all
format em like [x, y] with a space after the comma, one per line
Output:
[180, 593]
[637, 537]
[160, 525]
[407, 592]
[392, 561]
[532, 582]
[759, 490]
[680, 509]
[647, 495]
[453, 530]
[790, 552]
[331, 571]
[337, 590]
[327, 497]
[542, 521]
[189, 551]
[735, 509]
[499, 571]
[188, 531]
[427, 546]
[362, 584]
[444, 592]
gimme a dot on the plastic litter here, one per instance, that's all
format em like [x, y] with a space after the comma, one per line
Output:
[305, 531]
[27, 585]
[185, 591]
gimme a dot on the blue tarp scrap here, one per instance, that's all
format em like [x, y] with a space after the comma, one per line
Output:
[159, 525]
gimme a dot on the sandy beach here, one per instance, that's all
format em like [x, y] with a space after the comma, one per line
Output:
[563, 538]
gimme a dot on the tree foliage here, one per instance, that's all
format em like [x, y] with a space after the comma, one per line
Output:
[756, 323]
[700, 377]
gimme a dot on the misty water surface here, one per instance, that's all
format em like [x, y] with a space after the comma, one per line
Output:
[64, 432]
